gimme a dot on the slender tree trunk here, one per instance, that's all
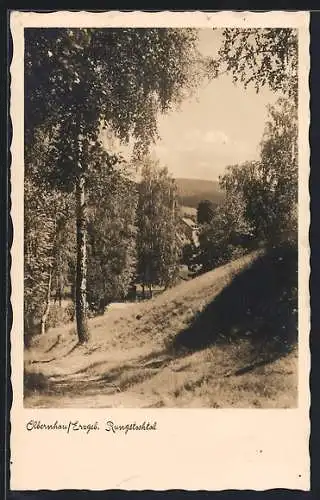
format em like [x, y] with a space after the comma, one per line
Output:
[73, 298]
[58, 295]
[148, 277]
[47, 310]
[81, 271]
[60, 287]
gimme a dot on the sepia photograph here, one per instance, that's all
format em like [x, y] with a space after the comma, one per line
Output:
[161, 217]
[160, 255]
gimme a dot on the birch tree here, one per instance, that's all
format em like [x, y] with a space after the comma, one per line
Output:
[79, 79]
[157, 222]
[259, 57]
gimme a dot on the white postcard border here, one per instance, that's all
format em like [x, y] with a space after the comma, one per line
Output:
[192, 449]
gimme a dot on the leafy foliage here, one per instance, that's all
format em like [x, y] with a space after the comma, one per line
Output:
[261, 197]
[269, 187]
[112, 237]
[157, 219]
[205, 212]
[279, 169]
[79, 79]
[121, 87]
[225, 237]
[48, 232]
[38, 251]
[260, 56]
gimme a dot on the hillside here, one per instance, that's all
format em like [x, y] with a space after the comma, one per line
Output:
[192, 191]
[181, 349]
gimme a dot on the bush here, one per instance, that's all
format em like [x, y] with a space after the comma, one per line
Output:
[34, 382]
[59, 315]
[235, 252]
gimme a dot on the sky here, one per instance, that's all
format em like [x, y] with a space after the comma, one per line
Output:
[221, 125]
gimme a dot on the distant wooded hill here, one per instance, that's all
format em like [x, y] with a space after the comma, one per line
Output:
[192, 191]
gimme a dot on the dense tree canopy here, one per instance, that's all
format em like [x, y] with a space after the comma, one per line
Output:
[77, 80]
[260, 203]
[112, 200]
[157, 220]
[205, 212]
[261, 196]
[121, 77]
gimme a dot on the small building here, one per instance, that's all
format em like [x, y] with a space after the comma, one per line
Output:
[191, 230]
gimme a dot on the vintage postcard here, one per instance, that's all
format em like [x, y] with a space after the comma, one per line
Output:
[160, 259]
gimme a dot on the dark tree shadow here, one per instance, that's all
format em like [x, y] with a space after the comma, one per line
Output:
[260, 304]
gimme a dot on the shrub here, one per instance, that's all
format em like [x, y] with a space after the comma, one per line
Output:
[34, 382]
[59, 315]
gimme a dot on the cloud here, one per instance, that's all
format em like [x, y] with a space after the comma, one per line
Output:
[196, 139]
[215, 137]
[190, 140]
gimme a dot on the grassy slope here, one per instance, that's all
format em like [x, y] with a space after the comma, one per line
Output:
[142, 356]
